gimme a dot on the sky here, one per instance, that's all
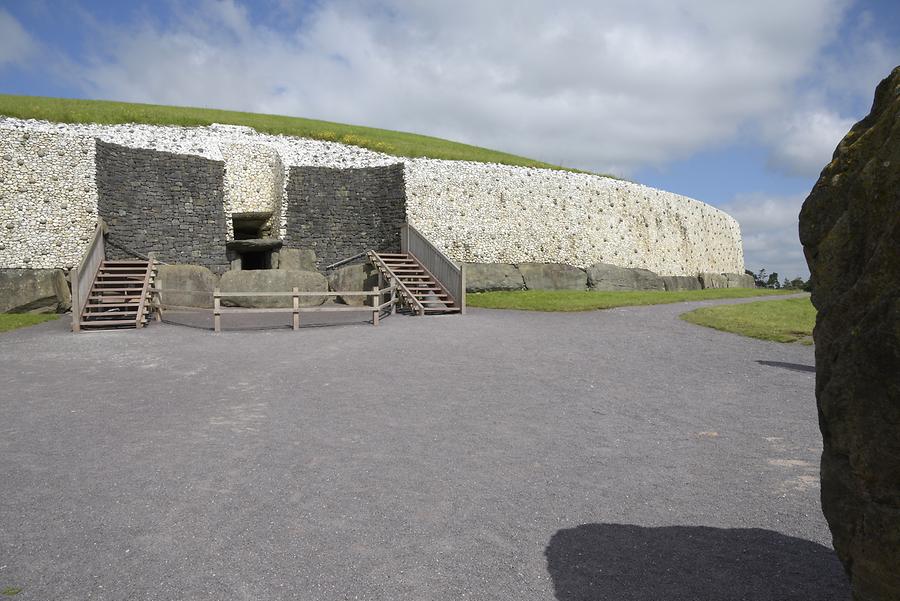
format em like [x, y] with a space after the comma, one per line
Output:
[738, 104]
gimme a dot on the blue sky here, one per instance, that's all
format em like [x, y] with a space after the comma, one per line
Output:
[738, 104]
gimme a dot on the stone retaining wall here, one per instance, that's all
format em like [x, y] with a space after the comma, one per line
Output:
[164, 203]
[340, 212]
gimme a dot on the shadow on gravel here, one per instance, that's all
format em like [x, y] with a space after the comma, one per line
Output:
[622, 562]
[790, 366]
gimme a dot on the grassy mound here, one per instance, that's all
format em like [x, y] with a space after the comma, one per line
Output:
[587, 300]
[395, 143]
[788, 320]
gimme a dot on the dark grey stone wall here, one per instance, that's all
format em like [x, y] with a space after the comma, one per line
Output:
[165, 203]
[341, 212]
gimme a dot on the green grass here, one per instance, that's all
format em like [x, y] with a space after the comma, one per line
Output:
[13, 321]
[788, 320]
[582, 300]
[11, 591]
[396, 143]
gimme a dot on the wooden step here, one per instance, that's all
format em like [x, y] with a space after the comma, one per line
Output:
[117, 289]
[139, 268]
[133, 282]
[111, 305]
[108, 322]
[119, 297]
[442, 309]
[383, 255]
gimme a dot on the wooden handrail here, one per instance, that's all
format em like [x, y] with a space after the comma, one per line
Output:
[82, 277]
[410, 297]
[447, 273]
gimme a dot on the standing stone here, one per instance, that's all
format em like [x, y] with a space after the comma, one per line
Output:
[186, 285]
[272, 280]
[34, 291]
[353, 277]
[850, 230]
[552, 276]
[296, 259]
[483, 277]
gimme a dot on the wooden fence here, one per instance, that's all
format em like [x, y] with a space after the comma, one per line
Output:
[376, 307]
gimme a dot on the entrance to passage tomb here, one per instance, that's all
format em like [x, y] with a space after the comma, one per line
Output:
[253, 246]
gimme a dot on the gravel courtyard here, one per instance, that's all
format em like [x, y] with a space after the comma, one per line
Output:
[610, 455]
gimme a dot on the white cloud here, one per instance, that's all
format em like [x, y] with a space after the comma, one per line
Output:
[805, 141]
[610, 87]
[16, 46]
[769, 226]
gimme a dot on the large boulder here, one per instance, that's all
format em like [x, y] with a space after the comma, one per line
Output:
[34, 291]
[363, 276]
[739, 280]
[296, 259]
[713, 280]
[483, 277]
[603, 276]
[552, 276]
[186, 285]
[272, 280]
[850, 230]
[676, 283]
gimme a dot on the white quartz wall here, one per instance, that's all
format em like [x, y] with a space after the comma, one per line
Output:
[475, 212]
[489, 213]
[48, 198]
[254, 181]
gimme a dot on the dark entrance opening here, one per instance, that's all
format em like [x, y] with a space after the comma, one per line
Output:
[249, 226]
[256, 260]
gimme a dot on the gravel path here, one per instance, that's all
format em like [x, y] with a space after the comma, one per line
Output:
[621, 454]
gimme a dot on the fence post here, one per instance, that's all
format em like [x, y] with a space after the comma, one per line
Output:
[217, 316]
[76, 300]
[296, 316]
[375, 306]
[393, 297]
[462, 288]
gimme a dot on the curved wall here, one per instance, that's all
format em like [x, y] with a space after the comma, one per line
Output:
[488, 213]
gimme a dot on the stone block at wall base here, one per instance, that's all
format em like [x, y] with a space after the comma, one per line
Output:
[675, 283]
[713, 280]
[740, 280]
[186, 285]
[353, 277]
[297, 259]
[34, 291]
[272, 280]
[483, 277]
[603, 276]
[553, 276]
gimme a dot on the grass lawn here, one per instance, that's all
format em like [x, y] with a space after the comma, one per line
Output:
[12, 321]
[587, 300]
[788, 320]
[396, 143]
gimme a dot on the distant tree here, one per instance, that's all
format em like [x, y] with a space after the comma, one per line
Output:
[795, 284]
[762, 278]
[773, 282]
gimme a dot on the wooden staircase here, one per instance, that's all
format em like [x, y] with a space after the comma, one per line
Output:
[418, 288]
[120, 296]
